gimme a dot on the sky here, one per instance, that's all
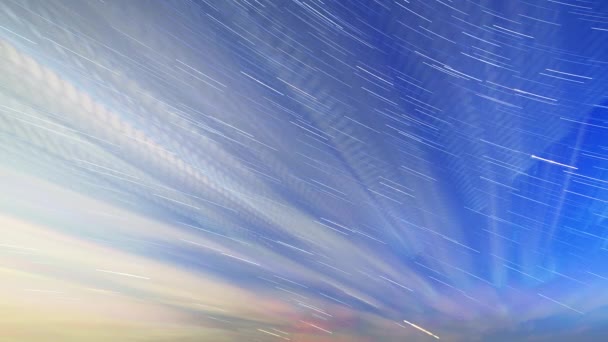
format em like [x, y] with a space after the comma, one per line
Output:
[254, 170]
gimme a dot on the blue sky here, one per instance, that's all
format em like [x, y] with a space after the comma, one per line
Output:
[306, 170]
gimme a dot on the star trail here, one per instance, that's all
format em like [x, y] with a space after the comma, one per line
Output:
[303, 170]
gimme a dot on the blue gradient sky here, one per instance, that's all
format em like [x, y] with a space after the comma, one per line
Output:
[304, 170]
